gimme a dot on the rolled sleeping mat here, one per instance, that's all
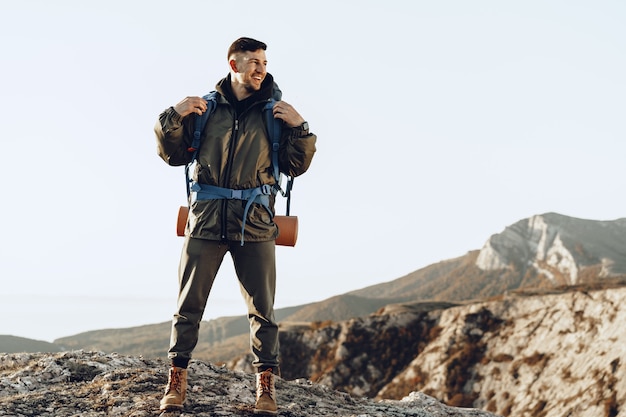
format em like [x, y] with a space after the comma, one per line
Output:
[287, 227]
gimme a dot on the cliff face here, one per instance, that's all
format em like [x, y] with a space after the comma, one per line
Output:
[559, 248]
[550, 355]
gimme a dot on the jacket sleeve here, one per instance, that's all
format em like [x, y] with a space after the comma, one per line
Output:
[173, 138]
[296, 152]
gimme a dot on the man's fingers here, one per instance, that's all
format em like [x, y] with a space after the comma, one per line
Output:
[198, 104]
[200, 108]
[287, 114]
[191, 104]
[282, 110]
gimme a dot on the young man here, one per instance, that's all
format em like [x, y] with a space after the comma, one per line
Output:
[233, 166]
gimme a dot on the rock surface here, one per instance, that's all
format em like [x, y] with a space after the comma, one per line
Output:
[552, 355]
[90, 384]
[540, 354]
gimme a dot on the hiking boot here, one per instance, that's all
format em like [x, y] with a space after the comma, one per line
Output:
[265, 394]
[175, 390]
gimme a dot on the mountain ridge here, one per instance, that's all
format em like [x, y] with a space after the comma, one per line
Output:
[528, 254]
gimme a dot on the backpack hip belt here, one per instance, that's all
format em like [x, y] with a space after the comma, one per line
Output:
[259, 195]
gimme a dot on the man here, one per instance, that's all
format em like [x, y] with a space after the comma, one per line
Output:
[233, 166]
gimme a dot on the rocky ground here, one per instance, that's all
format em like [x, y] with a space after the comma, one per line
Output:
[90, 384]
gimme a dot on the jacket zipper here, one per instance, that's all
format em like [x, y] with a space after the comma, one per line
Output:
[229, 164]
[231, 157]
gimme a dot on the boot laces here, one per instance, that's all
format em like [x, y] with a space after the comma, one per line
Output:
[174, 382]
[265, 383]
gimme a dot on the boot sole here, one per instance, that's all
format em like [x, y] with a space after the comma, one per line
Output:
[171, 408]
[265, 413]
[170, 413]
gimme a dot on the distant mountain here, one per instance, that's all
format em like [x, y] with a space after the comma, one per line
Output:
[14, 344]
[543, 251]
[558, 250]
[153, 340]
[535, 254]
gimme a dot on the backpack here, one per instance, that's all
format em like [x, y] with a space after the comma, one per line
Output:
[288, 225]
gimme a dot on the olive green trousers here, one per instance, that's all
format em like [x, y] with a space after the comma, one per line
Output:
[255, 266]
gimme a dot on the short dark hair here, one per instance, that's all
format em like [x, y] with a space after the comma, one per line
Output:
[245, 44]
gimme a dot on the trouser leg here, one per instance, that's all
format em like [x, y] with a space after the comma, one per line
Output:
[199, 263]
[255, 264]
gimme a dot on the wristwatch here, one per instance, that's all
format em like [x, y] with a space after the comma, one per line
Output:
[304, 127]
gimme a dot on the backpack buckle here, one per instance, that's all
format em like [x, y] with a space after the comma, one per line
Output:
[266, 189]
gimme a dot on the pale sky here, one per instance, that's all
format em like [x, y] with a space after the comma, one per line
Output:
[439, 124]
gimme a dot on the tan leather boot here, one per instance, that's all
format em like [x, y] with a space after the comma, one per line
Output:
[176, 389]
[265, 394]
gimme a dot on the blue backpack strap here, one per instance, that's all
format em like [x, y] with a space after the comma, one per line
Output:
[201, 121]
[274, 128]
[199, 125]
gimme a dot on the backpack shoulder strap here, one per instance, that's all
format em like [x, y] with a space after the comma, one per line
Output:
[201, 121]
[274, 129]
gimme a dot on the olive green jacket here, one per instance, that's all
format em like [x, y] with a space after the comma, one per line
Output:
[235, 153]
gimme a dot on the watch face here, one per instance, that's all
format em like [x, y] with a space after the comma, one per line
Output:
[305, 126]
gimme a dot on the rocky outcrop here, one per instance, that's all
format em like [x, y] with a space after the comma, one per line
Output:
[551, 355]
[559, 248]
[90, 384]
[528, 355]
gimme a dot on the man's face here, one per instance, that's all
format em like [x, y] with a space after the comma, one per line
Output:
[252, 67]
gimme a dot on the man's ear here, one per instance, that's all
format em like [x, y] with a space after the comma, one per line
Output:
[233, 65]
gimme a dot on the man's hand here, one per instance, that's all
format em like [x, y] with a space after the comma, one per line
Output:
[190, 105]
[287, 114]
